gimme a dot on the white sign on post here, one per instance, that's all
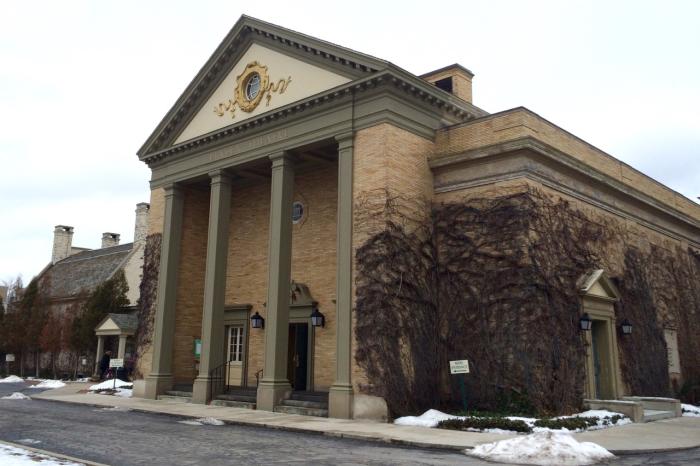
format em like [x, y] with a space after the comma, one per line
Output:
[116, 362]
[459, 367]
[9, 358]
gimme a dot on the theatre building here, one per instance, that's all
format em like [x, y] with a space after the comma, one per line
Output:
[327, 231]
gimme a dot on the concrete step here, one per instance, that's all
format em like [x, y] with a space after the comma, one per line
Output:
[232, 404]
[651, 415]
[237, 397]
[301, 411]
[319, 397]
[305, 404]
[178, 393]
[178, 399]
[655, 403]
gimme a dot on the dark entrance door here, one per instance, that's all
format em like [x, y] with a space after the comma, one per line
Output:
[297, 356]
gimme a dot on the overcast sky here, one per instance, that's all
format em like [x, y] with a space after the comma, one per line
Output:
[83, 84]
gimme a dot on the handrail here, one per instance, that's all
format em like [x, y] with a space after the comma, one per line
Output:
[218, 378]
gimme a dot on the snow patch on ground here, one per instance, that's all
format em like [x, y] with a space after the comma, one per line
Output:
[124, 392]
[11, 379]
[48, 383]
[690, 410]
[109, 383]
[210, 421]
[21, 457]
[432, 417]
[16, 396]
[542, 448]
[29, 441]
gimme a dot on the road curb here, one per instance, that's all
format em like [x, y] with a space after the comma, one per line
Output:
[52, 454]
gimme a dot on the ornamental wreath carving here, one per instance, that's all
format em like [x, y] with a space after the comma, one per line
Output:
[252, 85]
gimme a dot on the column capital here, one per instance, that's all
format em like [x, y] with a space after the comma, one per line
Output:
[345, 140]
[219, 176]
[281, 158]
[172, 189]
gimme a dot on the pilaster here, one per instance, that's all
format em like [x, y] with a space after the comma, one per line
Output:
[161, 378]
[340, 398]
[214, 285]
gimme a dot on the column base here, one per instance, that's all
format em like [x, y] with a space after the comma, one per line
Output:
[201, 390]
[157, 384]
[271, 394]
[340, 399]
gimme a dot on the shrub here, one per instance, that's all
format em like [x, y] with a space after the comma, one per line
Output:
[481, 423]
[575, 423]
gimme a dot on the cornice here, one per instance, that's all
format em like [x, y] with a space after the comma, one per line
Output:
[560, 158]
[423, 92]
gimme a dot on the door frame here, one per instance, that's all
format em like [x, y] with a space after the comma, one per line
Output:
[602, 313]
[238, 315]
[303, 316]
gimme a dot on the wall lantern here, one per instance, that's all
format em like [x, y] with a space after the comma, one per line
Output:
[626, 327]
[585, 322]
[317, 319]
[257, 320]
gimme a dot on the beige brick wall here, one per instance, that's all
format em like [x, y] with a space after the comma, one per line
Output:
[520, 123]
[387, 160]
[313, 260]
[190, 285]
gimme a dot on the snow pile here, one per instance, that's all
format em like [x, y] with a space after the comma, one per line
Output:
[542, 448]
[21, 457]
[113, 408]
[11, 379]
[430, 418]
[16, 396]
[48, 383]
[690, 410]
[210, 421]
[109, 384]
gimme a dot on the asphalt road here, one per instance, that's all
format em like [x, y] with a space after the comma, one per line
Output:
[133, 438]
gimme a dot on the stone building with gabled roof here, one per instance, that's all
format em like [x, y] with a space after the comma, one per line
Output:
[74, 272]
[423, 229]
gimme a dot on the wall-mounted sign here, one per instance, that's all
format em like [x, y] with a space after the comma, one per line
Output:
[197, 348]
[9, 358]
[459, 367]
[251, 87]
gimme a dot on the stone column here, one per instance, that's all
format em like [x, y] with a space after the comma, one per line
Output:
[214, 285]
[274, 385]
[161, 377]
[122, 347]
[100, 352]
[340, 398]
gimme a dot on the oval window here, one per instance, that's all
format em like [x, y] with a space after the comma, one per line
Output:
[297, 212]
[252, 86]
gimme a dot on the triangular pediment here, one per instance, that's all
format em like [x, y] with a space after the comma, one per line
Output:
[598, 284]
[263, 79]
[297, 66]
[107, 325]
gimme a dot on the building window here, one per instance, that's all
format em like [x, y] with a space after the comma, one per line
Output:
[297, 212]
[252, 86]
[235, 344]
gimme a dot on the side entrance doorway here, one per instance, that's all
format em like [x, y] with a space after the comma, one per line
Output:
[298, 356]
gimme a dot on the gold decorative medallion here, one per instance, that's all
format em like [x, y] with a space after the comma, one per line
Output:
[251, 86]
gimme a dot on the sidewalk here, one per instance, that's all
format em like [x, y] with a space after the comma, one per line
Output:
[670, 434]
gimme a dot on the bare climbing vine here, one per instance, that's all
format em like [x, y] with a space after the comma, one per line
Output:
[147, 299]
[494, 280]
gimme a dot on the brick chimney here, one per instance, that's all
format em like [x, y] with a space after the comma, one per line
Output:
[62, 241]
[110, 239]
[455, 79]
[141, 224]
